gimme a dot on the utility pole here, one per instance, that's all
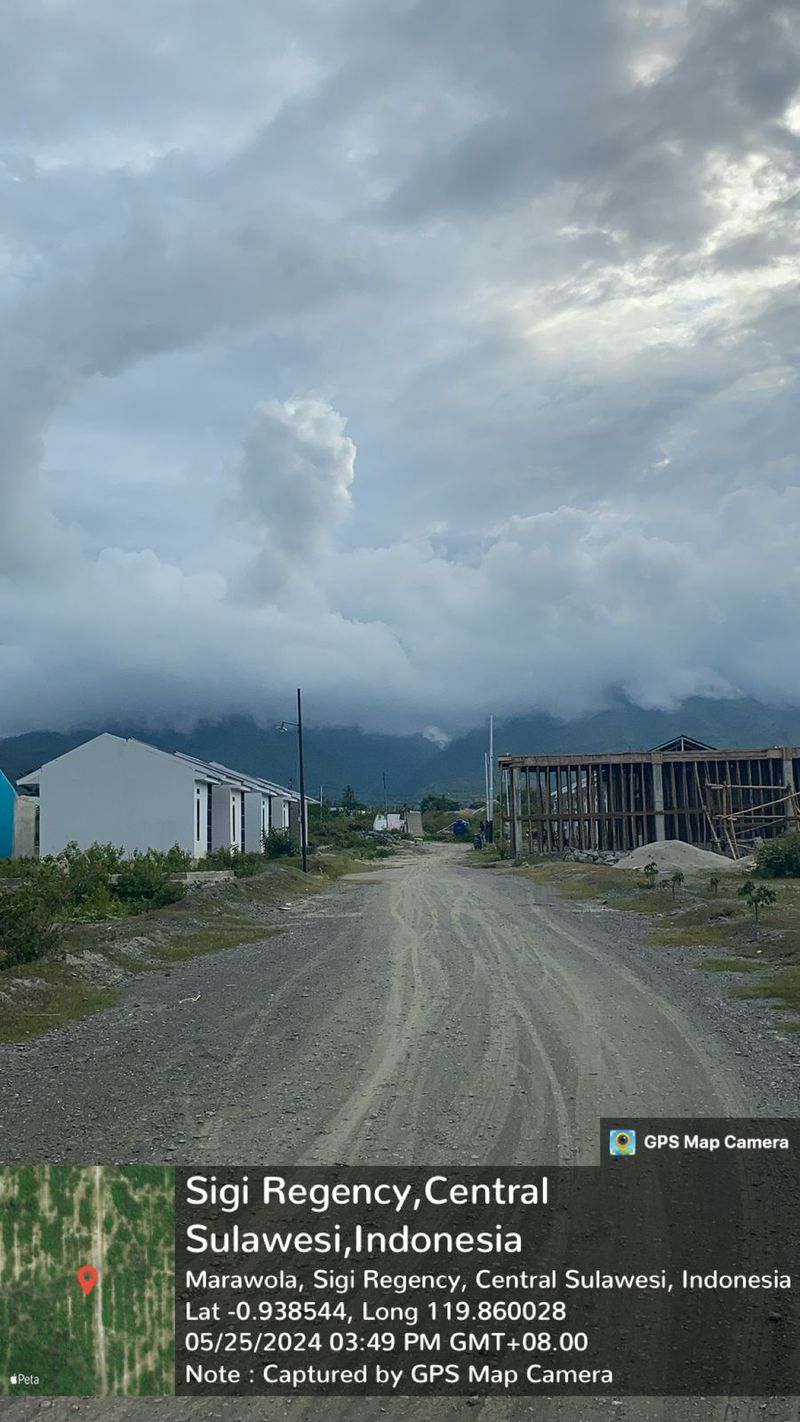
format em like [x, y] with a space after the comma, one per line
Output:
[298, 726]
[490, 816]
[303, 835]
[385, 802]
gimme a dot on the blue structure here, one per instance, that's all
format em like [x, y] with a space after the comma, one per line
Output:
[8, 799]
[460, 828]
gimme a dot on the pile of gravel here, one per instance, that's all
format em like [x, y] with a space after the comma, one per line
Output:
[670, 855]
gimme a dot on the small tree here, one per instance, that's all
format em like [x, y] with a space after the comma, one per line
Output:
[713, 884]
[758, 896]
[676, 880]
[438, 802]
[350, 800]
[651, 873]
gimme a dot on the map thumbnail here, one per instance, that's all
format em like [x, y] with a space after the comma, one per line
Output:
[111, 1332]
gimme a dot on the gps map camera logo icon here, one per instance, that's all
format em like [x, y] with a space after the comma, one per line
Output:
[622, 1142]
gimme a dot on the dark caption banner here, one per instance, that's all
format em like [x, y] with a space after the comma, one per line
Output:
[671, 1269]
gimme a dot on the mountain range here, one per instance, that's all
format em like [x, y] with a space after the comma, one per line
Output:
[413, 765]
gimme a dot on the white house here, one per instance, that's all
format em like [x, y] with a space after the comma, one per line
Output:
[125, 792]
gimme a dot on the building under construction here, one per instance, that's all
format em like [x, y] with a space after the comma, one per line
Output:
[722, 800]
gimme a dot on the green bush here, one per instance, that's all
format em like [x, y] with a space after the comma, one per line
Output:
[779, 858]
[30, 916]
[178, 860]
[143, 882]
[279, 844]
[243, 865]
[98, 905]
[88, 871]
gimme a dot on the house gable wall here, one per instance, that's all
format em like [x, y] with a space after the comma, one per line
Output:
[116, 791]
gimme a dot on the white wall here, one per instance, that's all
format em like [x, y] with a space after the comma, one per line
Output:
[254, 801]
[226, 817]
[201, 793]
[120, 792]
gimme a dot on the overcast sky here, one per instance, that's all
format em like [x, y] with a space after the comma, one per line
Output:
[438, 357]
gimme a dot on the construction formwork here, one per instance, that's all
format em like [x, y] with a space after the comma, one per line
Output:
[716, 799]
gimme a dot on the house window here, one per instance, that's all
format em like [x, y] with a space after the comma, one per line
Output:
[208, 819]
[197, 815]
[233, 818]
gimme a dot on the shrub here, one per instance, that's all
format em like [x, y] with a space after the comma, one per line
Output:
[88, 871]
[143, 882]
[779, 858]
[100, 904]
[178, 860]
[279, 844]
[651, 873]
[30, 916]
[242, 864]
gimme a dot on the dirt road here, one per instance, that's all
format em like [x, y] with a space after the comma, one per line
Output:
[429, 1013]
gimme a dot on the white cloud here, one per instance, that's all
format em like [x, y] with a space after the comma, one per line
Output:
[536, 263]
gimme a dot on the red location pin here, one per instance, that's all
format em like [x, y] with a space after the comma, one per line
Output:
[87, 1278]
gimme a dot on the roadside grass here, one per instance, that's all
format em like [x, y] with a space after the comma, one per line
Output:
[58, 994]
[783, 987]
[487, 857]
[697, 917]
[584, 881]
[213, 939]
[729, 965]
[80, 978]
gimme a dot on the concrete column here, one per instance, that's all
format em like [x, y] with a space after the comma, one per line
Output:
[792, 822]
[516, 812]
[658, 799]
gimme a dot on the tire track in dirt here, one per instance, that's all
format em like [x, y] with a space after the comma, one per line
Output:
[454, 1015]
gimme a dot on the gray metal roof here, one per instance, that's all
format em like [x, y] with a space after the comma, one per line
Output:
[211, 770]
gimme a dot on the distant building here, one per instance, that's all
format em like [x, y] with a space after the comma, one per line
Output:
[409, 822]
[717, 799]
[125, 792]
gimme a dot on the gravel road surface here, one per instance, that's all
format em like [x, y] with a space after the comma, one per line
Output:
[427, 1013]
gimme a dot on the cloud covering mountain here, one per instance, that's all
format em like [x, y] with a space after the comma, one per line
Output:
[439, 357]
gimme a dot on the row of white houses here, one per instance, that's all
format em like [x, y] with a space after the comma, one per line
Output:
[125, 792]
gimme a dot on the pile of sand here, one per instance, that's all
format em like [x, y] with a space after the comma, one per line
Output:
[672, 854]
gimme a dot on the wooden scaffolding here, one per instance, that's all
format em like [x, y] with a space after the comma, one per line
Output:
[717, 799]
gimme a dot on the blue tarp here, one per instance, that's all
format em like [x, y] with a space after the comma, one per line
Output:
[8, 799]
[460, 827]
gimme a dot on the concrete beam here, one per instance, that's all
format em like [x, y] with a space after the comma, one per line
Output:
[658, 800]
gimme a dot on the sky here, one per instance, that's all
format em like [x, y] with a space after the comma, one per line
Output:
[439, 357]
